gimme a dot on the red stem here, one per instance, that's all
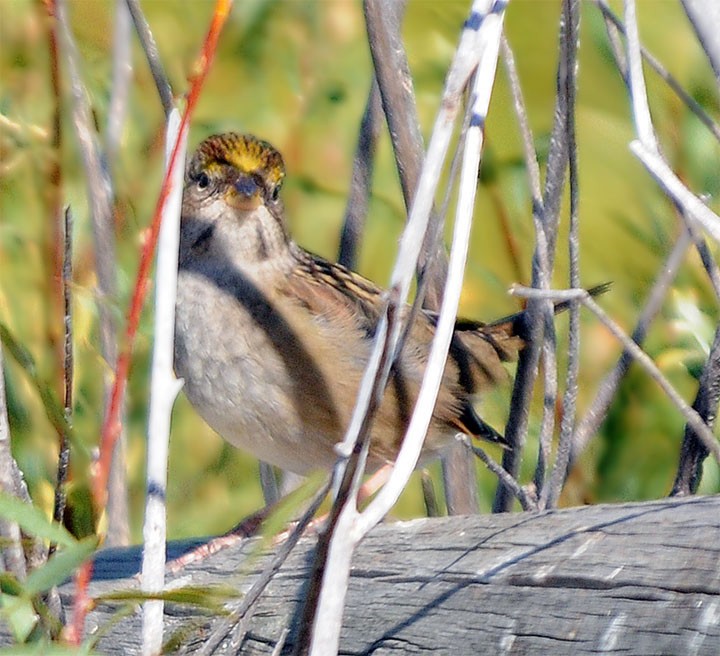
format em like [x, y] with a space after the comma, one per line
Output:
[112, 424]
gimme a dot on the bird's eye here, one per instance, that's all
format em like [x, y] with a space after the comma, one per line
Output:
[203, 182]
[275, 193]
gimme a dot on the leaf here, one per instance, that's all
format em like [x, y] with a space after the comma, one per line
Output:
[209, 597]
[33, 521]
[19, 614]
[61, 566]
[46, 649]
[53, 409]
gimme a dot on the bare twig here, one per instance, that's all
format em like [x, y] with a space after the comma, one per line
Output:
[121, 77]
[100, 198]
[696, 422]
[540, 313]
[705, 18]
[432, 506]
[392, 71]
[598, 409]
[693, 451]
[164, 388]
[150, 49]
[531, 161]
[68, 374]
[239, 617]
[12, 557]
[112, 425]
[357, 206]
[550, 490]
[481, 34]
[657, 66]
[646, 147]
[527, 501]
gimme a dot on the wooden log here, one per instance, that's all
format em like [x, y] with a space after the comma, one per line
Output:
[635, 578]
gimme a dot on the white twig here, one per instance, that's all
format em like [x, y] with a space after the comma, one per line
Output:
[165, 388]
[646, 148]
[692, 206]
[691, 416]
[480, 37]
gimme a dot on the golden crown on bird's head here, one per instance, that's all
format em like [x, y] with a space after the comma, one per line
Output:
[244, 152]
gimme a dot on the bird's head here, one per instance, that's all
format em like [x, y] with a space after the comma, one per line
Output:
[232, 186]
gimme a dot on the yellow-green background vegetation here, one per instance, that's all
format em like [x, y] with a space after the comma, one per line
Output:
[297, 74]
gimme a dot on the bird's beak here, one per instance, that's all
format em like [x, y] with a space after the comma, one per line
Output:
[244, 194]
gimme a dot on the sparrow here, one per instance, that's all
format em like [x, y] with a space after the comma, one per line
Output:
[272, 341]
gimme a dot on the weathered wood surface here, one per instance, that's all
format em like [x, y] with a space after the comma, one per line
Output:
[640, 578]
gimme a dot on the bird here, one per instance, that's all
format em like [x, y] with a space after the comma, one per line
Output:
[272, 340]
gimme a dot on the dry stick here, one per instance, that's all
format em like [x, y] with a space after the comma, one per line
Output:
[539, 312]
[705, 18]
[151, 53]
[550, 490]
[361, 182]
[657, 66]
[490, 30]
[588, 426]
[12, 556]
[566, 81]
[350, 467]
[459, 471]
[111, 426]
[100, 195]
[121, 78]
[693, 452]
[52, 598]
[691, 416]
[392, 71]
[711, 266]
[692, 209]
[164, 389]
[118, 511]
[646, 147]
[54, 174]
[527, 500]
[430, 500]
[598, 409]
[68, 375]
[239, 619]
[482, 32]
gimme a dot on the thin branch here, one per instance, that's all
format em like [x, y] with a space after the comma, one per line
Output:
[360, 186]
[481, 35]
[691, 206]
[239, 617]
[121, 78]
[705, 18]
[527, 501]
[164, 389]
[100, 199]
[588, 426]
[12, 557]
[540, 313]
[550, 491]
[111, 427]
[657, 66]
[392, 71]
[693, 451]
[68, 374]
[147, 41]
[703, 432]
[531, 160]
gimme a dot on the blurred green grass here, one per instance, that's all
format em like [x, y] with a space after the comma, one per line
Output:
[297, 74]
